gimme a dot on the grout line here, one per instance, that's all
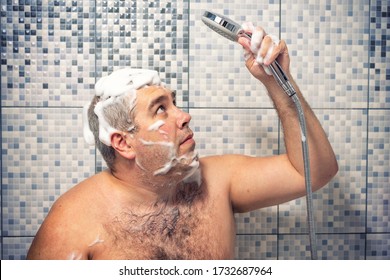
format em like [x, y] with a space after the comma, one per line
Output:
[203, 107]
[367, 127]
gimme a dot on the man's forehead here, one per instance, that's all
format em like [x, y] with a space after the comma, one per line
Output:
[155, 90]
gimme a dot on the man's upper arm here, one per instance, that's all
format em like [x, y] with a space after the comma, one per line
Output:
[263, 182]
[46, 242]
[55, 238]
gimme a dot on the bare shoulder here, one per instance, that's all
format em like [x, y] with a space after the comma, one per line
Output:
[222, 164]
[219, 170]
[65, 230]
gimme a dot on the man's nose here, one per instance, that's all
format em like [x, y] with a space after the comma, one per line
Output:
[183, 119]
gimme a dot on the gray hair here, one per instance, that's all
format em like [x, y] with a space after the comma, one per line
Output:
[119, 115]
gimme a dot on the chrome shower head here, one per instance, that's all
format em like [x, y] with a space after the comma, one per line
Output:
[223, 26]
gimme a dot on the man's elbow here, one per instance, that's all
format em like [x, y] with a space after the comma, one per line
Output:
[328, 172]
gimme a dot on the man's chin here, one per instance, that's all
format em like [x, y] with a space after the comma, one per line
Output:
[189, 159]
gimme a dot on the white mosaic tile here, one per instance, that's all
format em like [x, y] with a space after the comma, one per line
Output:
[52, 52]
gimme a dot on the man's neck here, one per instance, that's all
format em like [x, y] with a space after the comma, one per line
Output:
[145, 186]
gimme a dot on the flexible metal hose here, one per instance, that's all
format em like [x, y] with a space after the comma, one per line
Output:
[309, 193]
[288, 88]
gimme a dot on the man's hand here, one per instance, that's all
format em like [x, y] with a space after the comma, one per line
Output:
[262, 50]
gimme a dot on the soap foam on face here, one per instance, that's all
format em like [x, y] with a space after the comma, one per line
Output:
[172, 159]
[190, 159]
[156, 125]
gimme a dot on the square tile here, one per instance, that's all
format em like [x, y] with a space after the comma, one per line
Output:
[378, 187]
[256, 247]
[15, 248]
[328, 247]
[252, 132]
[44, 154]
[144, 34]
[52, 52]
[218, 76]
[328, 46]
[48, 53]
[379, 54]
[340, 206]
[378, 246]
[263, 221]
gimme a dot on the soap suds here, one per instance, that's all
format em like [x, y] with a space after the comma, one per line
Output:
[256, 40]
[275, 42]
[195, 174]
[96, 241]
[303, 138]
[194, 163]
[161, 143]
[190, 159]
[75, 256]
[156, 125]
[110, 88]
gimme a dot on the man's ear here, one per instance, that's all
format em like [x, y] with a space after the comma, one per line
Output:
[122, 144]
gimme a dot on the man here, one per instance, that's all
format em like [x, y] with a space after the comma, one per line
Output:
[158, 200]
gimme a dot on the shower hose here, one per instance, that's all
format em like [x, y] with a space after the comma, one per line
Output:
[288, 88]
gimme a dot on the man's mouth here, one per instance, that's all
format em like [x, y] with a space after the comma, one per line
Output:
[188, 139]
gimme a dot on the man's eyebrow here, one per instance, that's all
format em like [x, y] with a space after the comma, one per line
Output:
[157, 100]
[162, 98]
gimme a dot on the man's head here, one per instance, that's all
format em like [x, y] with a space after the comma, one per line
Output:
[112, 107]
[137, 118]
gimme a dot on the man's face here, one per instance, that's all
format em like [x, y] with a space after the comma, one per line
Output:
[163, 140]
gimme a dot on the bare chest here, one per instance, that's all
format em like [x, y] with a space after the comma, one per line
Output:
[198, 231]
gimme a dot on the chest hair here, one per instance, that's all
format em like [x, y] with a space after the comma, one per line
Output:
[176, 229]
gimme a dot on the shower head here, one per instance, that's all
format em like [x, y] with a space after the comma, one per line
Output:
[232, 31]
[223, 26]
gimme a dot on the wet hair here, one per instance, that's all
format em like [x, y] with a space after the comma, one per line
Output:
[119, 115]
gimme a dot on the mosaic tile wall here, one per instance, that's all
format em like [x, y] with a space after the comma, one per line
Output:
[52, 52]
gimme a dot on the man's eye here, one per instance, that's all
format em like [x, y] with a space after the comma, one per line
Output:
[160, 110]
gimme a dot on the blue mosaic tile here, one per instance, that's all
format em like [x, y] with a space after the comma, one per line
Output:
[144, 34]
[339, 206]
[256, 247]
[379, 54]
[16, 248]
[44, 154]
[378, 194]
[51, 53]
[378, 246]
[218, 77]
[47, 53]
[328, 247]
[235, 131]
[263, 221]
[293, 247]
[328, 46]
